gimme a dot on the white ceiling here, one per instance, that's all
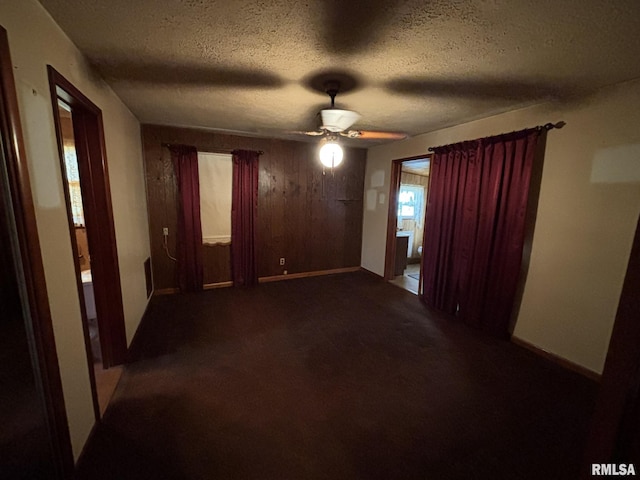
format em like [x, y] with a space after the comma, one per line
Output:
[417, 167]
[256, 66]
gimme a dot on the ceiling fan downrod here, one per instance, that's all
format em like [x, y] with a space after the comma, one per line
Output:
[331, 88]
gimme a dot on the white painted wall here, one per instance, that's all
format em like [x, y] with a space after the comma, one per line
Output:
[35, 40]
[588, 209]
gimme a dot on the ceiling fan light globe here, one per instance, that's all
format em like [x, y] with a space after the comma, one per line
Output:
[331, 154]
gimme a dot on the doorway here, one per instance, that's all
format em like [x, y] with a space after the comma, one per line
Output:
[24, 444]
[405, 230]
[34, 437]
[86, 183]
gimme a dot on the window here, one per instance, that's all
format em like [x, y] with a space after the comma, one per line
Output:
[215, 171]
[73, 178]
[410, 200]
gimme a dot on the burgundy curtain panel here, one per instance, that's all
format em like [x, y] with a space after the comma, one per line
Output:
[244, 207]
[474, 229]
[189, 235]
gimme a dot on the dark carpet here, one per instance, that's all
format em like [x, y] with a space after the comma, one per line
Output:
[335, 377]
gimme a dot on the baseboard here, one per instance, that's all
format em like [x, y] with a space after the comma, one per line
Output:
[211, 286]
[274, 278]
[165, 291]
[317, 273]
[563, 362]
[362, 269]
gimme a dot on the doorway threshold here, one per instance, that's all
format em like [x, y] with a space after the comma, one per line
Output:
[407, 280]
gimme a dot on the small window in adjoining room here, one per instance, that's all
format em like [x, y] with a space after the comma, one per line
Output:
[73, 178]
[215, 171]
[410, 199]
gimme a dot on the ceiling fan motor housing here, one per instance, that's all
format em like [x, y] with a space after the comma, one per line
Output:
[336, 120]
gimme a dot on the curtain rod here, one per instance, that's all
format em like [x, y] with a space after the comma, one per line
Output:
[221, 150]
[546, 127]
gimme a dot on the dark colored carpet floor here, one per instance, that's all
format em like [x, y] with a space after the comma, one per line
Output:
[335, 377]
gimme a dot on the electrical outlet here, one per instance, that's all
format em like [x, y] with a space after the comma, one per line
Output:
[165, 231]
[282, 261]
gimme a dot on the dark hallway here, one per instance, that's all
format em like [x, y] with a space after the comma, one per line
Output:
[343, 377]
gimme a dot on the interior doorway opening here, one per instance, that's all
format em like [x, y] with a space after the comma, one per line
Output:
[83, 258]
[86, 184]
[405, 230]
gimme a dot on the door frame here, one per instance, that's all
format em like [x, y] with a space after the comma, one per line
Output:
[392, 216]
[613, 436]
[37, 301]
[96, 195]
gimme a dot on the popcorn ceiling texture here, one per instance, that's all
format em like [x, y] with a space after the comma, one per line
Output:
[419, 65]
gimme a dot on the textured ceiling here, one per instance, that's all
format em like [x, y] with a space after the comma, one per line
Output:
[254, 66]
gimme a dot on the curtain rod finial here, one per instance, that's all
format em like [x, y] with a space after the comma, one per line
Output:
[550, 126]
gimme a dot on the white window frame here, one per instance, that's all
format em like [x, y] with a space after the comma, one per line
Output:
[417, 192]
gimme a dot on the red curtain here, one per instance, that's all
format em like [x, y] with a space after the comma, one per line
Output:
[189, 235]
[474, 230]
[244, 206]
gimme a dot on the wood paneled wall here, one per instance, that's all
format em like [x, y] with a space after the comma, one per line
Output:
[312, 220]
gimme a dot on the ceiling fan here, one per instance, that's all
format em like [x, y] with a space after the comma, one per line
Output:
[336, 122]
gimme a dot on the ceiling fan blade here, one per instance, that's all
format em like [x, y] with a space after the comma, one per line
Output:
[336, 120]
[374, 135]
[312, 133]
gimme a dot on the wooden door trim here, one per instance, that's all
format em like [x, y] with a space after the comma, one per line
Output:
[618, 395]
[33, 269]
[99, 218]
[390, 255]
